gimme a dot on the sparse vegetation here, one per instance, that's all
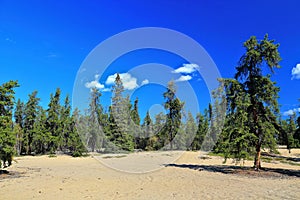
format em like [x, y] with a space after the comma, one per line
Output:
[251, 120]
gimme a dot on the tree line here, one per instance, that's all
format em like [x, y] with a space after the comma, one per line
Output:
[30, 129]
[121, 128]
[243, 119]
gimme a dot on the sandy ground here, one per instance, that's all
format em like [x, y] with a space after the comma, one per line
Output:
[189, 177]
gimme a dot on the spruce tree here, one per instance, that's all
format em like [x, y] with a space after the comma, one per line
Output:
[41, 135]
[19, 113]
[202, 130]
[30, 114]
[7, 135]
[118, 117]
[252, 102]
[53, 123]
[174, 108]
[157, 141]
[65, 122]
[291, 130]
[75, 141]
[215, 115]
[135, 113]
[18, 126]
[134, 126]
[282, 137]
[147, 131]
[190, 130]
[96, 135]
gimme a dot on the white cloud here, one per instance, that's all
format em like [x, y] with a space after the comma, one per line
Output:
[95, 83]
[187, 69]
[183, 78]
[129, 82]
[145, 82]
[296, 72]
[106, 90]
[291, 111]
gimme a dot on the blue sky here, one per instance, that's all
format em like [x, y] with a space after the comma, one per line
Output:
[44, 43]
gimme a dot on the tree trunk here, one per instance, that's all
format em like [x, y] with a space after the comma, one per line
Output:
[257, 164]
[171, 141]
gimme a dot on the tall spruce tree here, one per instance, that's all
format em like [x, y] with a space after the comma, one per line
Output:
[7, 136]
[215, 115]
[30, 115]
[291, 130]
[211, 134]
[19, 123]
[174, 108]
[190, 130]
[119, 117]
[147, 131]
[202, 130]
[135, 127]
[95, 131]
[75, 140]
[19, 113]
[53, 121]
[135, 113]
[158, 138]
[41, 136]
[65, 122]
[252, 101]
[282, 138]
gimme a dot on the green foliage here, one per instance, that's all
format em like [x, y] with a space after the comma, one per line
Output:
[53, 122]
[40, 131]
[41, 135]
[290, 126]
[7, 136]
[236, 139]
[30, 115]
[202, 130]
[135, 127]
[147, 132]
[190, 130]
[173, 121]
[186, 134]
[95, 135]
[252, 103]
[156, 139]
[74, 141]
[135, 113]
[18, 126]
[297, 134]
[119, 119]
[248, 124]
[19, 113]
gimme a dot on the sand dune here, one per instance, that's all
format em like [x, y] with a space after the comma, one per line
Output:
[189, 177]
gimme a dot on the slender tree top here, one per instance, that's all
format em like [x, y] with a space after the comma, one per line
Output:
[169, 95]
[147, 119]
[257, 54]
[117, 88]
[7, 96]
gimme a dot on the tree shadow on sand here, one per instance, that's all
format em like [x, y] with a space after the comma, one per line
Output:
[280, 157]
[4, 174]
[243, 171]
